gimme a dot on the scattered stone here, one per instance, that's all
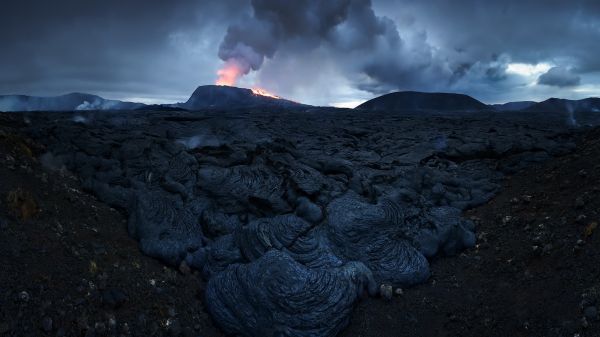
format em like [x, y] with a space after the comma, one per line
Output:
[579, 202]
[93, 267]
[141, 320]
[476, 220]
[581, 218]
[90, 333]
[399, 292]
[114, 297]
[591, 313]
[79, 301]
[154, 329]
[82, 322]
[386, 291]
[4, 327]
[102, 281]
[170, 275]
[24, 296]
[47, 324]
[184, 268]
[100, 328]
[21, 204]
[584, 323]
[112, 323]
[99, 249]
[188, 332]
[589, 229]
[125, 330]
[174, 327]
[60, 332]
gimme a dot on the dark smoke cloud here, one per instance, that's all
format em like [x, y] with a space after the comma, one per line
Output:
[274, 23]
[363, 43]
[559, 77]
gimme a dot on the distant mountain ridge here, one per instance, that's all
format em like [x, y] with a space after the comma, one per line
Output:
[513, 106]
[591, 104]
[413, 101]
[424, 101]
[226, 97]
[221, 97]
[204, 97]
[68, 102]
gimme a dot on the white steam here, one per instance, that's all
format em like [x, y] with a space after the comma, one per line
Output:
[97, 105]
[571, 120]
[199, 141]
[80, 119]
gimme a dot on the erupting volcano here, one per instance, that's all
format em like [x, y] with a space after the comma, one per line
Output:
[232, 70]
[230, 97]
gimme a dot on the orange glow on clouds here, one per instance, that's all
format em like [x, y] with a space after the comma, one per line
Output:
[229, 74]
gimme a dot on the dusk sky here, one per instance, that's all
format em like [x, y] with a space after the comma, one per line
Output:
[334, 52]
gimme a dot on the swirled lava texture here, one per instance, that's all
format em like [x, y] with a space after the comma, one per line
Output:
[293, 217]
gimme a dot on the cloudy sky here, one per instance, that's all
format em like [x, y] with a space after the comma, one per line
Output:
[325, 52]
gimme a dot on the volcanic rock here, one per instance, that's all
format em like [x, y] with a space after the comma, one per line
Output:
[278, 207]
[47, 324]
[591, 313]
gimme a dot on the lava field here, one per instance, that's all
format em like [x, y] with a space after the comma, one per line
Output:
[292, 217]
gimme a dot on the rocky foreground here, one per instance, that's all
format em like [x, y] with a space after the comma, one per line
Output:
[278, 223]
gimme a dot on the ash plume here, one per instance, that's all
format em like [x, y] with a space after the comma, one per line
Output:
[349, 30]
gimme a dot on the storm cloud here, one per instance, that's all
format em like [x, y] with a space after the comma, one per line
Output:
[560, 77]
[319, 52]
[368, 48]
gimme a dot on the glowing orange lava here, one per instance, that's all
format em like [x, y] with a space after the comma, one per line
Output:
[263, 92]
[229, 74]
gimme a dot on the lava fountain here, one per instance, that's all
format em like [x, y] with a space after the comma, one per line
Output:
[228, 75]
[231, 72]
